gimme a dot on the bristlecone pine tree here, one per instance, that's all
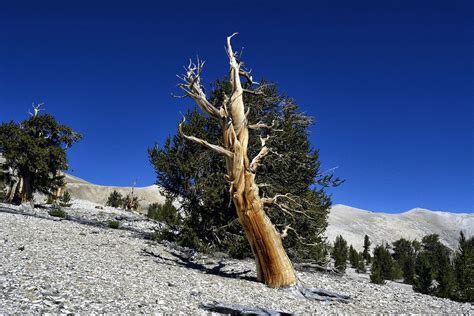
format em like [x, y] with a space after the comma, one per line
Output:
[272, 263]
[35, 155]
[340, 254]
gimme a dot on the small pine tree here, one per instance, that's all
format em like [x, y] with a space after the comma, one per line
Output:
[446, 280]
[115, 199]
[424, 274]
[376, 275]
[383, 260]
[464, 269]
[65, 200]
[366, 253]
[353, 257]
[361, 267]
[404, 255]
[339, 254]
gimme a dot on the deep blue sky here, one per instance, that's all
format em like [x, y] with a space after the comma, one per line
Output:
[389, 82]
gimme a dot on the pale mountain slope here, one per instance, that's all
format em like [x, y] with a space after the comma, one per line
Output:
[83, 190]
[353, 224]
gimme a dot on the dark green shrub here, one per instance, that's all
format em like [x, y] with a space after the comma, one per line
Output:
[57, 212]
[238, 247]
[115, 199]
[188, 238]
[50, 199]
[65, 199]
[397, 272]
[114, 224]
[165, 213]
[361, 267]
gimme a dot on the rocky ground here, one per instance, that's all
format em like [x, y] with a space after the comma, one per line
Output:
[80, 265]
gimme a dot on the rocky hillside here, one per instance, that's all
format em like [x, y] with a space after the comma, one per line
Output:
[353, 224]
[80, 265]
[83, 190]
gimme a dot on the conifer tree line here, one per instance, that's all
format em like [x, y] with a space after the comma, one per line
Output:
[429, 266]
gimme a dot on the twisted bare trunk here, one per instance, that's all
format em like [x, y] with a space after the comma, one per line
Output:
[273, 265]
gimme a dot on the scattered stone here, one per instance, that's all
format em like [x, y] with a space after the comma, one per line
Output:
[76, 266]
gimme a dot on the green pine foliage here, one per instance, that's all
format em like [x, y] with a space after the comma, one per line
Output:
[36, 150]
[197, 176]
[57, 211]
[65, 200]
[115, 199]
[361, 267]
[340, 253]
[165, 213]
[430, 266]
[354, 257]
[433, 263]
[114, 224]
[376, 275]
[464, 269]
[424, 274]
[366, 253]
[404, 255]
[383, 260]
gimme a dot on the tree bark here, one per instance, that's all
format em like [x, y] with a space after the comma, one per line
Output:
[273, 266]
[27, 190]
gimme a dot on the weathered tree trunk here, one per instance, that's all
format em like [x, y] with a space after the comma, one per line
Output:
[273, 265]
[16, 197]
[27, 189]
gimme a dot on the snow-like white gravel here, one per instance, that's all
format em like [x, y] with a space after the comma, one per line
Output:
[79, 265]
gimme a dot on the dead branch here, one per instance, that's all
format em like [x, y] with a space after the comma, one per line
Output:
[263, 152]
[215, 148]
[192, 87]
[36, 109]
[261, 125]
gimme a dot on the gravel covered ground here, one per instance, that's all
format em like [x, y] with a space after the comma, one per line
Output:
[79, 265]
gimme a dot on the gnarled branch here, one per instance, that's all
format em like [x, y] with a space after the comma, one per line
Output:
[192, 87]
[215, 148]
[263, 152]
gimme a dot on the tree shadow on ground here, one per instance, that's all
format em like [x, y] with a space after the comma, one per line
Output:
[187, 262]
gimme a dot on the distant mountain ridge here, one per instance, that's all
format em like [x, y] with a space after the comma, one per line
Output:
[353, 223]
[83, 190]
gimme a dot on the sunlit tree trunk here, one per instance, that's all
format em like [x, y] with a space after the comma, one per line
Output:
[273, 265]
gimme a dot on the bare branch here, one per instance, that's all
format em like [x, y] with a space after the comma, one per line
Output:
[36, 109]
[260, 125]
[215, 148]
[254, 92]
[263, 152]
[192, 87]
[300, 238]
